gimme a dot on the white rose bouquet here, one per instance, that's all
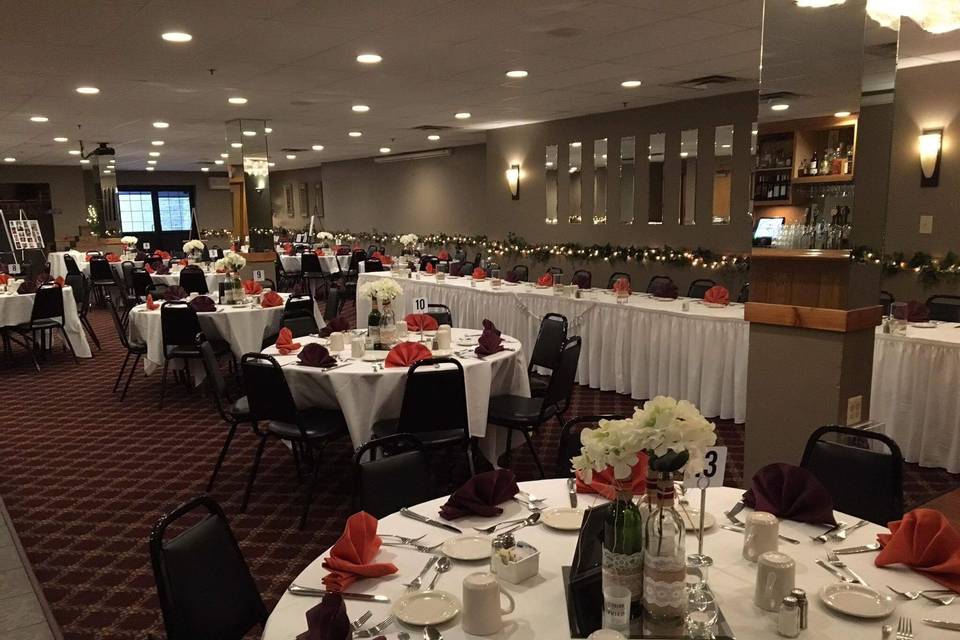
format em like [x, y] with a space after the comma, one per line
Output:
[383, 289]
[232, 262]
[324, 235]
[130, 241]
[191, 246]
[409, 239]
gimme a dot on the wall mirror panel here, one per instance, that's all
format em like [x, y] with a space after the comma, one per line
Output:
[628, 155]
[600, 181]
[655, 155]
[551, 182]
[688, 176]
[722, 173]
[575, 173]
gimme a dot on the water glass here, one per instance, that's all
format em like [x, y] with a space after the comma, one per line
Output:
[702, 613]
[898, 312]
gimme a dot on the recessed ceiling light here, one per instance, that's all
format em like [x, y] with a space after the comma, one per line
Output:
[112, 161]
[517, 73]
[237, 100]
[84, 162]
[204, 169]
[384, 149]
[39, 118]
[684, 154]
[151, 162]
[154, 154]
[355, 134]
[88, 91]
[841, 114]
[177, 36]
[60, 139]
[74, 152]
[754, 132]
[291, 156]
[317, 147]
[157, 143]
[549, 163]
[218, 162]
[9, 159]
[462, 115]
[268, 130]
[160, 124]
[224, 155]
[249, 133]
[573, 169]
[360, 108]
[236, 145]
[107, 172]
[271, 164]
[433, 137]
[725, 146]
[576, 145]
[369, 58]
[779, 106]
[149, 168]
[630, 84]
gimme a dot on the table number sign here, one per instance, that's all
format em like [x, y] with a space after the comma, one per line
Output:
[715, 466]
[146, 246]
[13, 269]
[419, 305]
[258, 275]
[214, 253]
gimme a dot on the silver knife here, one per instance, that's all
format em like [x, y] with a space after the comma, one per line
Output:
[841, 534]
[836, 572]
[873, 546]
[572, 491]
[413, 515]
[943, 624]
[297, 590]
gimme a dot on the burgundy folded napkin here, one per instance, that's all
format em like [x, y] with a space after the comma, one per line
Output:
[490, 341]
[717, 294]
[489, 326]
[163, 270]
[316, 355]
[338, 323]
[328, 620]
[790, 492]
[406, 353]
[27, 286]
[480, 495]
[203, 304]
[351, 556]
[455, 268]
[512, 276]
[926, 542]
[176, 292]
[582, 281]
[343, 251]
[666, 290]
[917, 312]
[141, 256]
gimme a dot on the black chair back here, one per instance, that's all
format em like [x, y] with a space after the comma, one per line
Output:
[744, 295]
[865, 483]
[386, 484]
[153, 261]
[886, 299]
[297, 305]
[126, 268]
[179, 324]
[550, 341]
[435, 397]
[300, 325]
[310, 264]
[47, 302]
[569, 445]
[582, 278]
[425, 260]
[522, 271]
[118, 323]
[332, 307]
[215, 379]
[204, 585]
[656, 281]
[193, 280]
[616, 275]
[699, 287]
[441, 313]
[372, 266]
[555, 271]
[563, 377]
[944, 307]
[372, 249]
[71, 265]
[141, 282]
[100, 269]
[358, 256]
[267, 390]
[81, 291]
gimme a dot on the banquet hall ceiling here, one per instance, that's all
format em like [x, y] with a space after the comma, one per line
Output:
[294, 60]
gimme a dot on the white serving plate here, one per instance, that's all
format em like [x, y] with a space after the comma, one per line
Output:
[562, 518]
[426, 608]
[467, 547]
[857, 600]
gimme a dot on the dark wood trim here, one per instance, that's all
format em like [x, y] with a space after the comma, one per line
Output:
[837, 320]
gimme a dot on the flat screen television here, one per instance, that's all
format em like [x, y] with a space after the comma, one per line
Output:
[768, 227]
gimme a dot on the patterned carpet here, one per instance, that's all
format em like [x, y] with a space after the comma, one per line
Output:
[84, 477]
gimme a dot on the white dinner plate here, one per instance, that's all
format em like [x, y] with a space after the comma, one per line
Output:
[857, 600]
[563, 518]
[510, 284]
[660, 299]
[712, 305]
[467, 342]
[923, 325]
[375, 356]
[467, 548]
[426, 608]
[691, 519]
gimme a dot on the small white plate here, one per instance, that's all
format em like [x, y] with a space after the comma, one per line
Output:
[563, 518]
[923, 325]
[375, 356]
[467, 342]
[426, 608]
[857, 600]
[660, 299]
[712, 305]
[691, 519]
[467, 548]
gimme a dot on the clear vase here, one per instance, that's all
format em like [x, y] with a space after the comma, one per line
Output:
[623, 549]
[664, 558]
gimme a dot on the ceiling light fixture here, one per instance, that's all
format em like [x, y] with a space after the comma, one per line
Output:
[107, 172]
[841, 114]
[291, 156]
[84, 162]
[39, 118]
[369, 58]
[149, 168]
[74, 152]
[236, 145]
[576, 145]
[317, 147]
[517, 73]
[360, 108]
[271, 164]
[268, 130]
[237, 100]
[249, 133]
[433, 137]
[60, 139]
[218, 162]
[88, 91]
[112, 161]
[177, 36]
[151, 162]
[630, 84]
[779, 106]
[355, 134]
[224, 155]
[154, 154]
[684, 154]
[157, 143]
[385, 149]
[9, 159]
[463, 115]
[205, 169]
[160, 124]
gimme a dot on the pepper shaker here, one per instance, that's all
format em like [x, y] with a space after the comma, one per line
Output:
[803, 605]
[788, 618]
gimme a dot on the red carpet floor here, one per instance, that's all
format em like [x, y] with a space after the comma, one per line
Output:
[84, 477]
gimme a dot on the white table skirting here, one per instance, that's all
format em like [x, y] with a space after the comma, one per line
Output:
[366, 396]
[16, 308]
[329, 263]
[644, 348]
[541, 603]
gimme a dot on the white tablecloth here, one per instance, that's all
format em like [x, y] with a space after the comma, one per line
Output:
[541, 604]
[16, 308]
[213, 280]
[644, 348]
[366, 396]
[329, 263]
[914, 393]
[58, 267]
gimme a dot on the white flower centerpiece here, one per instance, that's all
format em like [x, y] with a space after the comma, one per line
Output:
[231, 264]
[129, 246]
[644, 548]
[409, 242]
[381, 290]
[325, 237]
[194, 249]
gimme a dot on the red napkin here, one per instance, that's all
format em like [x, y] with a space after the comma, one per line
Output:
[790, 492]
[603, 481]
[59, 280]
[417, 320]
[429, 268]
[406, 353]
[151, 305]
[926, 542]
[87, 258]
[480, 495]
[717, 294]
[184, 262]
[147, 268]
[285, 343]
[288, 248]
[112, 257]
[251, 287]
[162, 254]
[622, 285]
[4, 278]
[350, 556]
[444, 255]
[479, 273]
[328, 620]
[271, 299]
[546, 280]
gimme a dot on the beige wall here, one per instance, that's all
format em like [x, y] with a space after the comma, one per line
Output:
[66, 192]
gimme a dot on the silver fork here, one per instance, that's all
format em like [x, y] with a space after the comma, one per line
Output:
[375, 629]
[909, 595]
[842, 533]
[939, 599]
[494, 527]
[403, 539]
[414, 585]
[418, 547]
[835, 560]
[905, 629]
[359, 622]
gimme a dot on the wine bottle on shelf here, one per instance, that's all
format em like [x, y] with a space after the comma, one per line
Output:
[814, 165]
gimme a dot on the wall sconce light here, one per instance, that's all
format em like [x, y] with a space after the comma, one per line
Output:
[513, 181]
[931, 144]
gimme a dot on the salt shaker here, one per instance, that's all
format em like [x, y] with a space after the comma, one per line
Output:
[803, 604]
[788, 619]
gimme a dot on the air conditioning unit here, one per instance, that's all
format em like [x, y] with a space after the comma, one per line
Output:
[218, 183]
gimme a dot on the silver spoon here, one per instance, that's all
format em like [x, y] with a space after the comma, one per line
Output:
[443, 565]
[531, 519]
[494, 527]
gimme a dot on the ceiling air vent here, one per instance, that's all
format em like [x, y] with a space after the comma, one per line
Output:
[430, 127]
[294, 150]
[704, 82]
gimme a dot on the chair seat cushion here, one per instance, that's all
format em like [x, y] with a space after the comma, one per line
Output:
[42, 323]
[318, 423]
[517, 411]
[239, 410]
[430, 439]
[220, 347]
[103, 283]
[538, 384]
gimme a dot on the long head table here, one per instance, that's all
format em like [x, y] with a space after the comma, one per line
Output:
[541, 610]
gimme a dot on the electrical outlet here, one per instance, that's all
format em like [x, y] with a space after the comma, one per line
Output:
[926, 224]
[854, 409]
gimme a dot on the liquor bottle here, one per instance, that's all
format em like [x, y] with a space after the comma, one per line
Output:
[849, 164]
[825, 163]
[836, 163]
[814, 165]
[388, 326]
[373, 327]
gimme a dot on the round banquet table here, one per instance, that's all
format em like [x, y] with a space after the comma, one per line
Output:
[541, 604]
[329, 263]
[15, 308]
[366, 393]
[171, 279]
[58, 267]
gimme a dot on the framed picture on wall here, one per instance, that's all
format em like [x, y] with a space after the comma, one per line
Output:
[288, 199]
[318, 199]
[303, 199]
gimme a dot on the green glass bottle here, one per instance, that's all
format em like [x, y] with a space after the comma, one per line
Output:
[623, 549]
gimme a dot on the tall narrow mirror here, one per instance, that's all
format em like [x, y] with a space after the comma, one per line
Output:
[600, 181]
[550, 180]
[655, 151]
[722, 172]
[688, 176]
[628, 154]
[576, 183]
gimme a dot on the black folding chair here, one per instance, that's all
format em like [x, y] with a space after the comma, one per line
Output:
[569, 445]
[582, 278]
[193, 280]
[71, 265]
[372, 266]
[46, 317]
[311, 270]
[135, 348]
[657, 281]
[522, 271]
[699, 287]
[744, 295]
[233, 407]
[546, 351]
[179, 325]
[886, 299]
[387, 483]
[943, 307]
[102, 278]
[441, 313]
[81, 296]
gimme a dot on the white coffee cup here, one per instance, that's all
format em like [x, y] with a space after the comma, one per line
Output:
[357, 347]
[482, 613]
[776, 573]
[443, 337]
[336, 341]
[760, 535]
